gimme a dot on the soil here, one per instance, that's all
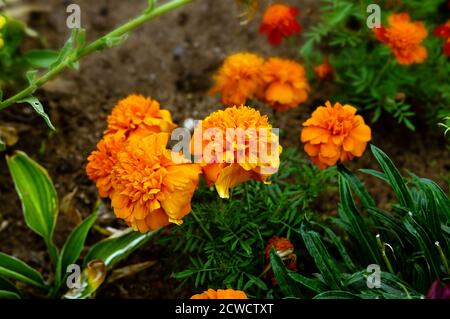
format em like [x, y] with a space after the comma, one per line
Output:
[170, 59]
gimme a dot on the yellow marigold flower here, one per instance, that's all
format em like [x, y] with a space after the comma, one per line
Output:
[285, 85]
[138, 113]
[335, 133]
[102, 160]
[2, 22]
[236, 145]
[221, 294]
[238, 79]
[404, 38]
[149, 189]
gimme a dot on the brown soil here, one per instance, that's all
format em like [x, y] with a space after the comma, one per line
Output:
[170, 59]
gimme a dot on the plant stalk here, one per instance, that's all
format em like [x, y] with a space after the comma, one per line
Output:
[94, 46]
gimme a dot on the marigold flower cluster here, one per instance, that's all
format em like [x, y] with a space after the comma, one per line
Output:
[443, 31]
[334, 133]
[242, 147]
[132, 166]
[281, 83]
[279, 21]
[221, 294]
[404, 37]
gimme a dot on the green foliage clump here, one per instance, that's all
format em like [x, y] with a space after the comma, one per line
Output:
[224, 240]
[366, 73]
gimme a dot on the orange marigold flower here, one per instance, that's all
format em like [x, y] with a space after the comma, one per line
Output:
[284, 249]
[285, 84]
[404, 38]
[102, 160]
[238, 78]
[279, 21]
[139, 113]
[235, 145]
[149, 189]
[221, 294]
[334, 133]
[323, 70]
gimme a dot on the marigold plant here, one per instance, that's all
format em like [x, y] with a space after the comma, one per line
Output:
[238, 79]
[230, 160]
[221, 294]
[285, 85]
[334, 133]
[279, 21]
[404, 37]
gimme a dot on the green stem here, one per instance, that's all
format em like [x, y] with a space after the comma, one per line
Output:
[247, 198]
[383, 253]
[94, 46]
[202, 226]
[444, 260]
[382, 71]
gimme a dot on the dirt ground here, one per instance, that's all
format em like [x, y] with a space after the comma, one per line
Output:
[170, 59]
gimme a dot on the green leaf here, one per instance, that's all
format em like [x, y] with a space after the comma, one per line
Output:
[113, 249]
[13, 268]
[5, 294]
[37, 106]
[375, 173]
[313, 284]
[358, 227]
[336, 294]
[41, 58]
[37, 194]
[357, 186]
[75, 244]
[324, 262]
[8, 286]
[287, 285]
[394, 177]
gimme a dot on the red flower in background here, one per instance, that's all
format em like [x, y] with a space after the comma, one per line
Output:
[279, 21]
[284, 249]
[443, 31]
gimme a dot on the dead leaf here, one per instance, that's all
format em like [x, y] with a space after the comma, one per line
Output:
[9, 135]
[250, 8]
[129, 270]
[67, 207]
